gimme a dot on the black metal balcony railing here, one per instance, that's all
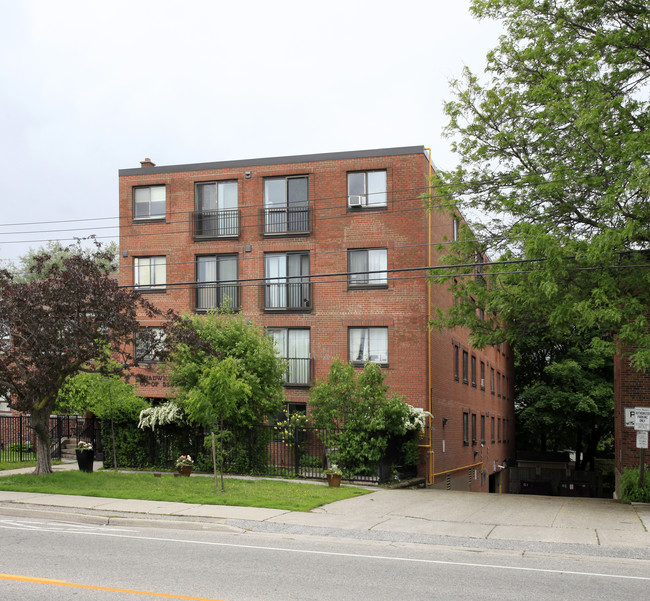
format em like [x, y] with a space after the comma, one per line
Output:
[288, 296]
[216, 224]
[211, 297]
[299, 372]
[287, 220]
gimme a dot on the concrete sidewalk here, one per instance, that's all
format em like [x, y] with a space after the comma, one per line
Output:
[421, 515]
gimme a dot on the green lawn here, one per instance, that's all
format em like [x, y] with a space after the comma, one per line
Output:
[274, 494]
[13, 465]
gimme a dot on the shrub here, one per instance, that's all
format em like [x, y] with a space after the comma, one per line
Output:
[631, 492]
[17, 447]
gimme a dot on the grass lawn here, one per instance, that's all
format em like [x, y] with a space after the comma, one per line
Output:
[14, 465]
[274, 494]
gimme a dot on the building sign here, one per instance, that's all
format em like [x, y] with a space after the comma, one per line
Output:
[642, 418]
[154, 380]
[641, 439]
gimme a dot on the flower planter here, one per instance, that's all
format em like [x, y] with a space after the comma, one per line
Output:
[334, 480]
[85, 460]
[185, 470]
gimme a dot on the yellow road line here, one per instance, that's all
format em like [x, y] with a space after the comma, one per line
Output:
[97, 588]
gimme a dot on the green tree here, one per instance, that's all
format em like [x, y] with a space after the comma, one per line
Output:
[554, 151]
[565, 399]
[371, 425]
[105, 396]
[214, 352]
[26, 270]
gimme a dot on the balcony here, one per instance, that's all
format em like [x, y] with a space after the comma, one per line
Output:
[215, 224]
[286, 221]
[288, 296]
[298, 372]
[216, 297]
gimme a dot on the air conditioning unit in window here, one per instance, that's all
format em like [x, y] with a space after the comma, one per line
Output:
[482, 383]
[356, 200]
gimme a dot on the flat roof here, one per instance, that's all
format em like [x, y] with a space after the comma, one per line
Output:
[302, 158]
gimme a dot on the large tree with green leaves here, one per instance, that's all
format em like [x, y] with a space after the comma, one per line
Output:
[554, 145]
[58, 323]
[224, 369]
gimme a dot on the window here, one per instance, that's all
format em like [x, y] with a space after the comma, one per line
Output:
[293, 345]
[150, 272]
[473, 429]
[216, 213]
[465, 379]
[498, 384]
[217, 286]
[367, 267]
[492, 429]
[367, 189]
[503, 385]
[368, 345]
[149, 202]
[466, 428]
[456, 229]
[492, 380]
[456, 368]
[149, 342]
[4, 404]
[482, 375]
[482, 429]
[287, 277]
[286, 205]
[473, 370]
[499, 429]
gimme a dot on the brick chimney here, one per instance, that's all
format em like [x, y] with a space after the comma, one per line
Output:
[147, 163]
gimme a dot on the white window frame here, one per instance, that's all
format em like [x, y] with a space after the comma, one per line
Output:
[222, 290]
[368, 345]
[154, 268]
[374, 189]
[144, 202]
[375, 272]
[290, 344]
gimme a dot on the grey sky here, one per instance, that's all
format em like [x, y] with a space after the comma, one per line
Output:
[92, 87]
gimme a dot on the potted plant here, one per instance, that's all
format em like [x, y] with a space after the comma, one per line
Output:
[85, 456]
[333, 475]
[184, 465]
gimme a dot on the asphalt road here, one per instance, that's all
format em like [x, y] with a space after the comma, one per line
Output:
[42, 559]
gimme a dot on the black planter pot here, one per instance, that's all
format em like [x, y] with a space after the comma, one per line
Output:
[85, 460]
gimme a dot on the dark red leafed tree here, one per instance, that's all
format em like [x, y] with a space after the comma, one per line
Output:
[59, 324]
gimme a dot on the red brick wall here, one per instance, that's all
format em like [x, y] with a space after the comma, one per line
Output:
[631, 389]
[402, 307]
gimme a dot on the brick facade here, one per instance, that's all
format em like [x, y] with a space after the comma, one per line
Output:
[631, 389]
[331, 307]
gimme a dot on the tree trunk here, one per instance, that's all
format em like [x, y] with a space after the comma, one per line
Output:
[41, 425]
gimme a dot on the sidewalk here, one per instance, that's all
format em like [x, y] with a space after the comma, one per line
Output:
[596, 526]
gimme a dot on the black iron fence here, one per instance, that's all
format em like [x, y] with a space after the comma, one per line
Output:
[296, 452]
[18, 439]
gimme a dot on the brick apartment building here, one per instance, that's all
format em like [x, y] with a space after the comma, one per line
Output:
[327, 253]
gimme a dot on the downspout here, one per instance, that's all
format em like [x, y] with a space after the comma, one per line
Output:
[431, 458]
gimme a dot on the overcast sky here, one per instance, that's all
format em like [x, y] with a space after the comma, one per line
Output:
[89, 88]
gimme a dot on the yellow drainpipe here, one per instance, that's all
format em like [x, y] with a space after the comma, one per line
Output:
[430, 476]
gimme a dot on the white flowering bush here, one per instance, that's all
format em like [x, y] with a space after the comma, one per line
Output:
[415, 419]
[161, 415]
